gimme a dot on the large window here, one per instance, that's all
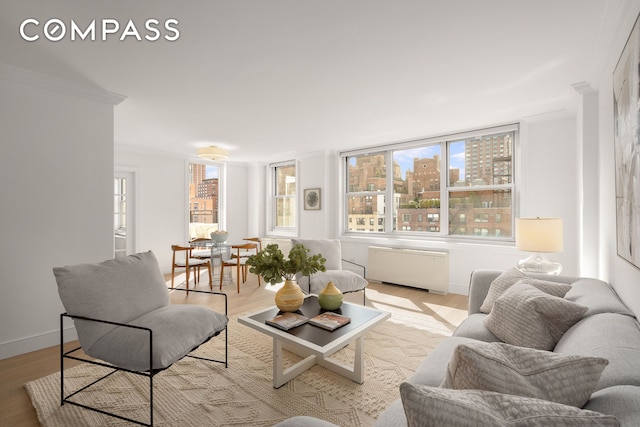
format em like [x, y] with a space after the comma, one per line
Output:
[366, 182]
[460, 185]
[204, 197]
[284, 194]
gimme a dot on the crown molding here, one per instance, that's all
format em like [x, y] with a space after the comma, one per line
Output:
[55, 84]
[583, 88]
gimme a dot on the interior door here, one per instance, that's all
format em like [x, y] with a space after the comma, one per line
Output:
[123, 219]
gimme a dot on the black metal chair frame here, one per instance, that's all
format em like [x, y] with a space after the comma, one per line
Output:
[149, 374]
[364, 274]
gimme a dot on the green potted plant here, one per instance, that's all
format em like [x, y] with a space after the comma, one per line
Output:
[271, 264]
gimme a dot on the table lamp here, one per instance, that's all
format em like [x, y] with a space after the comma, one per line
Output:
[539, 235]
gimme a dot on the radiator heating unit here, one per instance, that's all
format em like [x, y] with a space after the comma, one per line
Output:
[410, 267]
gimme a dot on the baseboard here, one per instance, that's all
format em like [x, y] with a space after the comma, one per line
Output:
[459, 289]
[35, 342]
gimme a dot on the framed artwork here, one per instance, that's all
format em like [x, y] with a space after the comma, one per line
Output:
[626, 112]
[312, 199]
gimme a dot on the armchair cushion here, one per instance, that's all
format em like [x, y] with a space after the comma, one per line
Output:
[129, 347]
[345, 280]
[133, 285]
[329, 248]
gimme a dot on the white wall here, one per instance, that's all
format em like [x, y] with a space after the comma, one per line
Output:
[161, 213]
[161, 183]
[56, 185]
[240, 204]
[549, 141]
[624, 277]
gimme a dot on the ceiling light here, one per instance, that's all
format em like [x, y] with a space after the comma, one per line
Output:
[213, 153]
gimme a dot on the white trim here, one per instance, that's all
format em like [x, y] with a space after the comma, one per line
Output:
[272, 230]
[511, 127]
[67, 87]
[36, 342]
[134, 216]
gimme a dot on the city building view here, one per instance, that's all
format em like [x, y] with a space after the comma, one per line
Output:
[478, 189]
[203, 193]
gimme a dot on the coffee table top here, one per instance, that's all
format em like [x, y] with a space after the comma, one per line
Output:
[362, 319]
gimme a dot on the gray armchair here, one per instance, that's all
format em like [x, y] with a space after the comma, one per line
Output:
[345, 280]
[123, 318]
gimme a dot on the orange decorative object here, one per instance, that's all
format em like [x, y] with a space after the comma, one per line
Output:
[289, 297]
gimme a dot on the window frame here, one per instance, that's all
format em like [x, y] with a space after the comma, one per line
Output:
[221, 191]
[446, 187]
[272, 226]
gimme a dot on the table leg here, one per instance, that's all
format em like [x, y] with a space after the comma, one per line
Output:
[282, 375]
[354, 373]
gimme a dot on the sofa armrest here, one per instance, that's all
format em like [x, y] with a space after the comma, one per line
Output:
[479, 284]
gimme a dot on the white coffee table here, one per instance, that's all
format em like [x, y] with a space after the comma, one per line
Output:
[315, 344]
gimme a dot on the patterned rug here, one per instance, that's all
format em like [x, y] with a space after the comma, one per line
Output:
[197, 393]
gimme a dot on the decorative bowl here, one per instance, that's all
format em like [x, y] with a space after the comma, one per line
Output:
[219, 236]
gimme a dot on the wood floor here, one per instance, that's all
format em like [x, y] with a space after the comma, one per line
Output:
[439, 313]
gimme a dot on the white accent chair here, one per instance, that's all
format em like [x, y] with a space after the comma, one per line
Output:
[125, 322]
[345, 280]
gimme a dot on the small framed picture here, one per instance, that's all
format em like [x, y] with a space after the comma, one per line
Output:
[312, 199]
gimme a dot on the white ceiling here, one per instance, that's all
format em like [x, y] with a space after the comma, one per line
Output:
[264, 78]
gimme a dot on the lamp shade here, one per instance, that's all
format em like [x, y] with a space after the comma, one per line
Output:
[539, 234]
[213, 153]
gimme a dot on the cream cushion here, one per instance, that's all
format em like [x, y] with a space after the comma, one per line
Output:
[527, 317]
[510, 277]
[426, 406]
[504, 368]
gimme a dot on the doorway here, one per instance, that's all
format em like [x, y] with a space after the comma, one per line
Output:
[123, 218]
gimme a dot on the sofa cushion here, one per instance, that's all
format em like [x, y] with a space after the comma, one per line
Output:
[473, 327]
[393, 416]
[509, 369]
[598, 296]
[615, 337]
[433, 368]
[304, 421]
[132, 286]
[429, 406]
[623, 402]
[527, 317]
[510, 277]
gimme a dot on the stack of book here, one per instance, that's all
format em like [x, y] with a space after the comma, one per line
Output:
[328, 320]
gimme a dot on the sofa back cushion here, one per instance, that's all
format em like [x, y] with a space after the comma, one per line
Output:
[597, 296]
[615, 337]
[118, 290]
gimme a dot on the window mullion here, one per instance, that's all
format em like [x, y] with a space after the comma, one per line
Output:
[444, 191]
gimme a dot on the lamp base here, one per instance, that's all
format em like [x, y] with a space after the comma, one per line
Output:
[540, 264]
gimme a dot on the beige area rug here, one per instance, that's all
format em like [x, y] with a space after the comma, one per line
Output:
[197, 393]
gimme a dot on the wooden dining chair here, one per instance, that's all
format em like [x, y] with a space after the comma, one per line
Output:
[188, 262]
[238, 259]
[200, 250]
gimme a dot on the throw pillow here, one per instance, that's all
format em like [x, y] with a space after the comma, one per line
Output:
[504, 368]
[527, 317]
[509, 278]
[426, 406]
